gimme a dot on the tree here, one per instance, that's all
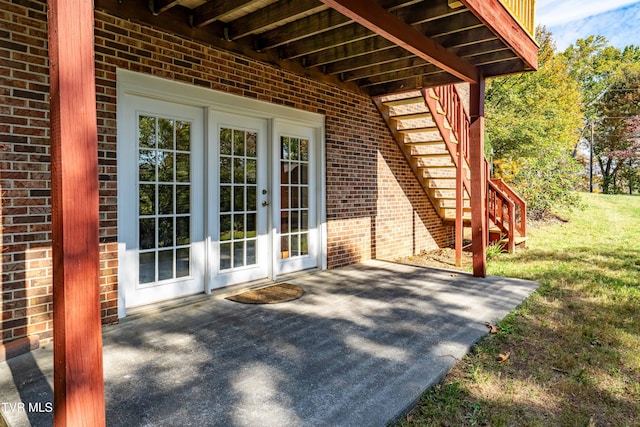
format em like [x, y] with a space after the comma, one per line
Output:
[609, 79]
[533, 121]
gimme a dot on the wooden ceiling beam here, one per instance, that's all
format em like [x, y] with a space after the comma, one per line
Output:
[315, 24]
[327, 40]
[494, 15]
[303, 28]
[385, 24]
[380, 56]
[212, 11]
[273, 16]
[411, 84]
[379, 69]
[159, 6]
[372, 45]
[365, 65]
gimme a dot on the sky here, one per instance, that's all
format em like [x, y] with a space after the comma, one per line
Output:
[569, 20]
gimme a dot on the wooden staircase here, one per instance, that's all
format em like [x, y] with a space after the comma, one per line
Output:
[431, 127]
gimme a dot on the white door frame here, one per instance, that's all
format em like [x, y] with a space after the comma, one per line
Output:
[155, 88]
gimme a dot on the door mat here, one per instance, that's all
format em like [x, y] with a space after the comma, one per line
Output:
[281, 292]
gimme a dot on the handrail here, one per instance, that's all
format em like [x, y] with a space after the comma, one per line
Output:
[501, 211]
[522, 11]
[520, 205]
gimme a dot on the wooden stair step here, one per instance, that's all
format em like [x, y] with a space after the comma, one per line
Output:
[404, 101]
[441, 183]
[429, 129]
[412, 116]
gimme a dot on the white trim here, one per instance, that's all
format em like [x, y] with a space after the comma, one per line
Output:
[168, 90]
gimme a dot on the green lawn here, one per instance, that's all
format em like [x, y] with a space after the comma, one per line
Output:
[574, 344]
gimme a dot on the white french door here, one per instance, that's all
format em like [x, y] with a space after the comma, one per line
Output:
[296, 233]
[160, 157]
[238, 199]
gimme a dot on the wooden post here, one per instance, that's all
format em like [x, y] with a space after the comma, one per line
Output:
[460, 171]
[77, 339]
[478, 180]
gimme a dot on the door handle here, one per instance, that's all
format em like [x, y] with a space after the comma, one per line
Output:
[265, 203]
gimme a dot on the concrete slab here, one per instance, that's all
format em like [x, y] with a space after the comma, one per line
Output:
[357, 349]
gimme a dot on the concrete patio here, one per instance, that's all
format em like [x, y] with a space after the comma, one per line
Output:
[357, 349]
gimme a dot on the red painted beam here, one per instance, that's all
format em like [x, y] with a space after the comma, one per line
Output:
[368, 14]
[479, 223]
[494, 15]
[77, 339]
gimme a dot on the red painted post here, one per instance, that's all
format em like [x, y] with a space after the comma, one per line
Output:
[478, 180]
[78, 380]
[460, 171]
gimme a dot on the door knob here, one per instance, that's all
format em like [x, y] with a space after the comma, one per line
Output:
[265, 203]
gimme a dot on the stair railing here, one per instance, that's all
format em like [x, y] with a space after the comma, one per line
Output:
[504, 207]
[520, 206]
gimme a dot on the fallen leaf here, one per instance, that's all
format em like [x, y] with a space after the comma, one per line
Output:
[502, 357]
[493, 329]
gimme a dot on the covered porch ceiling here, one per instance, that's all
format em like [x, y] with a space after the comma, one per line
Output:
[374, 46]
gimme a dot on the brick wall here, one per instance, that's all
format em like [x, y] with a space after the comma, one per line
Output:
[375, 206]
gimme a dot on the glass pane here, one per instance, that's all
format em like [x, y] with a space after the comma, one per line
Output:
[165, 265]
[304, 220]
[165, 134]
[183, 167]
[182, 262]
[284, 197]
[284, 148]
[147, 131]
[165, 166]
[183, 230]
[225, 199]
[252, 193]
[147, 196]
[225, 256]
[147, 165]
[294, 148]
[251, 225]
[147, 267]
[238, 171]
[225, 227]
[304, 174]
[238, 142]
[294, 174]
[284, 222]
[284, 173]
[238, 199]
[295, 221]
[147, 233]
[183, 136]
[183, 199]
[251, 252]
[165, 199]
[252, 140]
[304, 197]
[225, 141]
[251, 171]
[165, 232]
[304, 244]
[238, 226]
[225, 169]
[295, 200]
[304, 150]
[284, 247]
[295, 251]
[238, 254]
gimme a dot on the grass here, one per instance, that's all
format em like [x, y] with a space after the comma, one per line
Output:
[574, 343]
